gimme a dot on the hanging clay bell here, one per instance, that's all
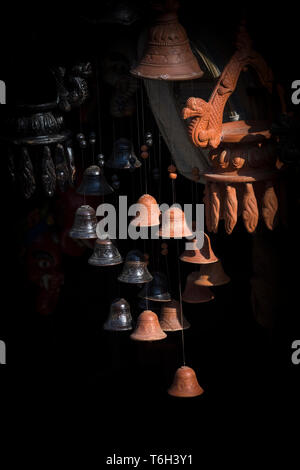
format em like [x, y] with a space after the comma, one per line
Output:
[135, 270]
[168, 55]
[149, 214]
[123, 156]
[85, 223]
[203, 256]
[170, 317]
[94, 182]
[148, 328]
[157, 289]
[174, 224]
[119, 318]
[185, 383]
[105, 254]
[194, 294]
[211, 275]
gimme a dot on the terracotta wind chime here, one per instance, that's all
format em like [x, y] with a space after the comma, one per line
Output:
[242, 153]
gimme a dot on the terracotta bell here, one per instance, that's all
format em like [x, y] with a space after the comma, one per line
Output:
[149, 214]
[185, 383]
[105, 254]
[203, 256]
[170, 317]
[119, 318]
[212, 275]
[157, 289]
[174, 224]
[168, 55]
[148, 328]
[135, 269]
[94, 182]
[85, 223]
[194, 294]
[123, 156]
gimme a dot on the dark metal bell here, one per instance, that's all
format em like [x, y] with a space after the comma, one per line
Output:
[157, 289]
[135, 270]
[94, 182]
[105, 254]
[123, 156]
[119, 318]
[85, 223]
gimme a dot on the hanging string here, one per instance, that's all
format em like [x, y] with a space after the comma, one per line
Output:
[138, 133]
[179, 284]
[82, 152]
[180, 303]
[143, 129]
[98, 105]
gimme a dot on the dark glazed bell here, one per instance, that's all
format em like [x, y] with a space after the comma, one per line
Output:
[105, 254]
[85, 223]
[157, 289]
[94, 183]
[135, 270]
[123, 156]
[119, 318]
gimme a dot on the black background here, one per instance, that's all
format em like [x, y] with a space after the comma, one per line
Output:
[101, 389]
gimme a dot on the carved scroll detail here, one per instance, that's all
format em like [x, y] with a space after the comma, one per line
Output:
[215, 206]
[27, 174]
[269, 205]
[206, 126]
[250, 209]
[230, 208]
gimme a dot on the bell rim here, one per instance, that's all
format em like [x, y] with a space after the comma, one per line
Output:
[134, 282]
[182, 258]
[127, 328]
[82, 236]
[195, 394]
[90, 262]
[166, 297]
[197, 301]
[152, 338]
[165, 77]
[186, 327]
[207, 284]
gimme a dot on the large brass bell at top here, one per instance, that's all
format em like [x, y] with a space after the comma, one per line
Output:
[168, 55]
[123, 156]
[105, 254]
[94, 182]
[135, 269]
[85, 223]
